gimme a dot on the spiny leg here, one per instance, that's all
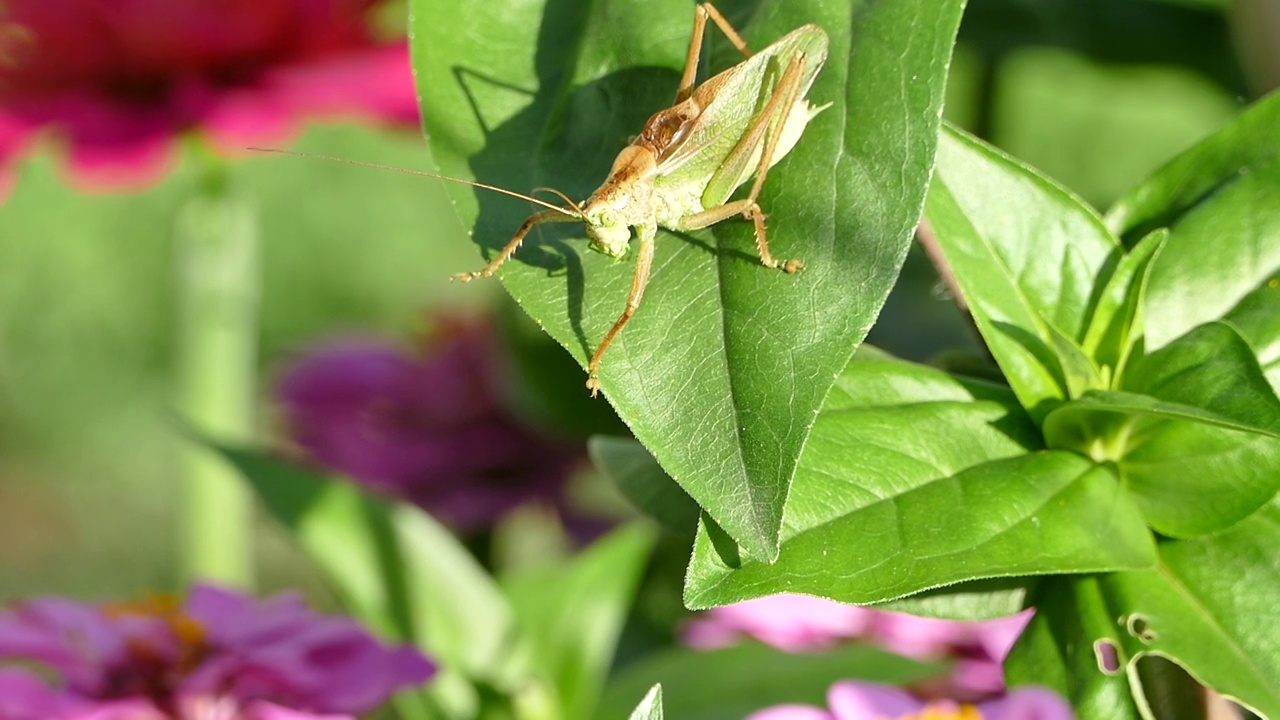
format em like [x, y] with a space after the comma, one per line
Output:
[511, 247]
[644, 262]
[770, 131]
[700, 15]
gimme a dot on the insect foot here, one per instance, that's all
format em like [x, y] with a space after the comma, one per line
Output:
[792, 267]
[466, 277]
[593, 384]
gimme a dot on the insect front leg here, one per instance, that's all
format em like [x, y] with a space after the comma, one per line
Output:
[514, 244]
[767, 129]
[700, 15]
[644, 262]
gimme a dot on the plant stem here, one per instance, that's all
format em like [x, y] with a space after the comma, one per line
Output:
[218, 288]
[932, 250]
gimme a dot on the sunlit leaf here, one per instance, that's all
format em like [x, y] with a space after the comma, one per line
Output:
[914, 480]
[726, 364]
[1221, 202]
[1029, 259]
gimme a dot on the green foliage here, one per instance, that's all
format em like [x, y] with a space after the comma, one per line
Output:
[752, 676]
[1118, 470]
[908, 472]
[538, 645]
[545, 94]
[1131, 469]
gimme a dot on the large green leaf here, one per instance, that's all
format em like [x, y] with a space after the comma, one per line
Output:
[1207, 607]
[1019, 516]
[1221, 201]
[915, 480]
[1190, 471]
[1191, 479]
[1195, 435]
[725, 365]
[972, 600]
[573, 614]
[1073, 646]
[1212, 368]
[1029, 257]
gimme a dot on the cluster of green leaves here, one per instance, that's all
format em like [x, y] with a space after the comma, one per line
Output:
[543, 94]
[1122, 479]
[1141, 347]
[507, 647]
[1124, 482]
[1138, 422]
[723, 370]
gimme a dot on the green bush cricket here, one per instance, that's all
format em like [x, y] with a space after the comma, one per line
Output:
[682, 168]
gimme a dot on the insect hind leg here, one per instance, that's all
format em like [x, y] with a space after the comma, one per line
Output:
[767, 127]
[700, 15]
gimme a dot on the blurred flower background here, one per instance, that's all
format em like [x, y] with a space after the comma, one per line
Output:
[114, 115]
[215, 654]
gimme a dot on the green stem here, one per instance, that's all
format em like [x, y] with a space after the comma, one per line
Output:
[218, 288]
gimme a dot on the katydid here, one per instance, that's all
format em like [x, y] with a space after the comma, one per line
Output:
[681, 170]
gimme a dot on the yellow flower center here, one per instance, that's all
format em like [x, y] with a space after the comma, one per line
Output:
[945, 712]
[188, 631]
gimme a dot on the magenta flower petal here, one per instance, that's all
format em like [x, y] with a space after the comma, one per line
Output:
[798, 623]
[870, 701]
[234, 620]
[279, 649]
[120, 81]
[1027, 703]
[979, 677]
[131, 709]
[925, 638]
[271, 711]
[793, 623]
[24, 696]
[74, 640]
[220, 655]
[369, 86]
[997, 637]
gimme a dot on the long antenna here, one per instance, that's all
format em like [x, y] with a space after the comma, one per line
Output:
[576, 213]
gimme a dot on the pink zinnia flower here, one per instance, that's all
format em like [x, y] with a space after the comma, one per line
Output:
[799, 623]
[217, 656]
[869, 701]
[120, 80]
[431, 429]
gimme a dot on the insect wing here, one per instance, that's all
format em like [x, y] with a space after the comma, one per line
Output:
[731, 101]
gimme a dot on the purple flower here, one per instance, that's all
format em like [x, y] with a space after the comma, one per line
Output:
[120, 80]
[432, 430]
[869, 701]
[217, 656]
[24, 696]
[799, 623]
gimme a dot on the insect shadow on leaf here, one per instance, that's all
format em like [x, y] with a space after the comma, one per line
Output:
[682, 169]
